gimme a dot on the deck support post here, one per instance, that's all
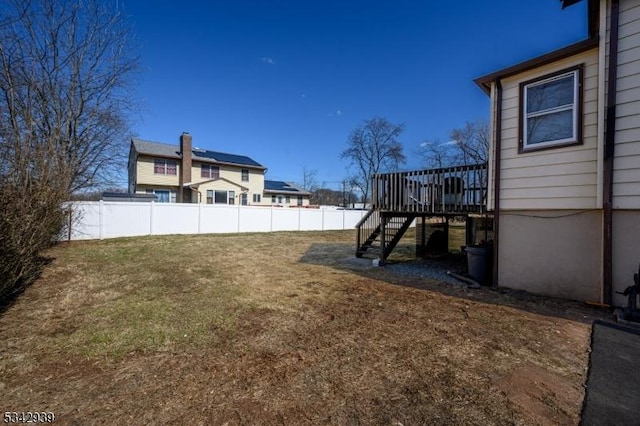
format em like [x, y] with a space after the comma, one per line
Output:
[383, 239]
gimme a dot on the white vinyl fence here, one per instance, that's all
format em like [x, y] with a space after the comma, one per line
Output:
[104, 219]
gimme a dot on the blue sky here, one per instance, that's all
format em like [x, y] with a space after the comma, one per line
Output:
[285, 82]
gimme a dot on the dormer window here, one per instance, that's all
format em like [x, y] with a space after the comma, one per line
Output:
[551, 111]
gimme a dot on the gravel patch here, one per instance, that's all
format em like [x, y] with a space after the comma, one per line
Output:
[434, 269]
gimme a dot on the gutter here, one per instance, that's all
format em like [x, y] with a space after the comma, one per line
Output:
[496, 178]
[609, 148]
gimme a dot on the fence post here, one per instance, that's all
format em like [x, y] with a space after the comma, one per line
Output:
[70, 221]
[101, 220]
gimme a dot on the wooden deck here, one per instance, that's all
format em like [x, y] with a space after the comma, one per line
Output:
[399, 198]
[451, 190]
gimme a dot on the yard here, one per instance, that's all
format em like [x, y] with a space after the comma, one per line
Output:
[281, 328]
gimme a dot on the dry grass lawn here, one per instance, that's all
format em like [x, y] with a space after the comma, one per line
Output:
[282, 328]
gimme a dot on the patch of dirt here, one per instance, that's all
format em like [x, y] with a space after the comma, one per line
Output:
[544, 397]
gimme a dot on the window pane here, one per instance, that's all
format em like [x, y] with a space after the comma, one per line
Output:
[215, 172]
[273, 198]
[205, 171]
[287, 199]
[550, 127]
[171, 168]
[245, 175]
[163, 196]
[232, 197]
[158, 167]
[209, 196]
[243, 199]
[221, 197]
[549, 95]
[299, 200]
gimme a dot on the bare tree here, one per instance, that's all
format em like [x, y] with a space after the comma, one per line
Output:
[468, 145]
[66, 77]
[436, 154]
[309, 179]
[473, 142]
[373, 147]
[66, 72]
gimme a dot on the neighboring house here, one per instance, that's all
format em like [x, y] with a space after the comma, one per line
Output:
[565, 162]
[181, 173]
[285, 194]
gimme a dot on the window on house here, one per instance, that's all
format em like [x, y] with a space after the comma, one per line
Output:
[165, 167]
[209, 196]
[245, 175]
[209, 171]
[287, 199]
[232, 197]
[299, 200]
[279, 199]
[244, 199]
[163, 195]
[551, 111]
[220, 197]
[256, 198]
[273, 199]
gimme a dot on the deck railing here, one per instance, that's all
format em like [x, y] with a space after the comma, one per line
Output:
[447, 190]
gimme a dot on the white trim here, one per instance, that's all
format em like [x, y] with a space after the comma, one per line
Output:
[546, 112]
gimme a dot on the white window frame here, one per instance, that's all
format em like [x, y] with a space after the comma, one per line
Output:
[575, 107]
[211, 196]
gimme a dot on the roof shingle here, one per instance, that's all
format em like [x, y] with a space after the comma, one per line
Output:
[173, 151]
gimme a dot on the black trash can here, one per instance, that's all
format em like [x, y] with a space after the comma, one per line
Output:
[479, 263]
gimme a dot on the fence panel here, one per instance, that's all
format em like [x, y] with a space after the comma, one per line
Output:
[93, 220]
[85, 221]
[255, 219]
[218, 219]
[285, 219]
[125, 220]
[174, 219]
[311, 219]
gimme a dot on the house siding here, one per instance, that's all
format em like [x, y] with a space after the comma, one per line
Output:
[146, 176]
[557, 178]
[234, 174]
[626, 174]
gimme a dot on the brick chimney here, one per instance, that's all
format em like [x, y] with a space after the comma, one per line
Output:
[184, 194]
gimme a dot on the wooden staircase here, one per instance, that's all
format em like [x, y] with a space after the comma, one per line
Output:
[380, 233]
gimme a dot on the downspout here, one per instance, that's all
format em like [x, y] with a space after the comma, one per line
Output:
[609, 146]
[496, 179]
